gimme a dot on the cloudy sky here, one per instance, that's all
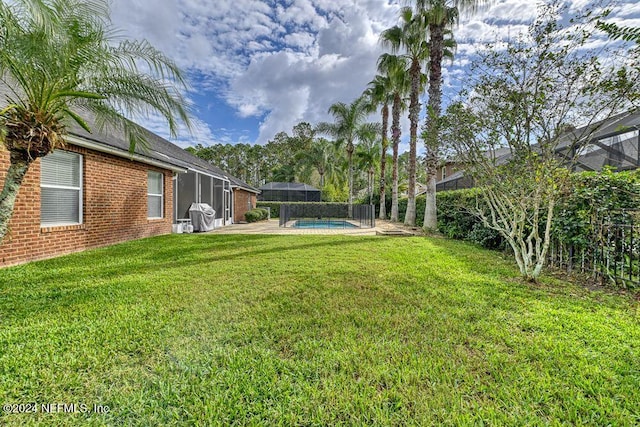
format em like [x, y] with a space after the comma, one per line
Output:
[258, 67]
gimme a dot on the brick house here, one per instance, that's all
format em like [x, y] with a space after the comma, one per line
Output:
[87, 195]
[93, 192]
[245, 198]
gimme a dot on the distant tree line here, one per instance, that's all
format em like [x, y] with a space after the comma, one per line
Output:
[308, 157]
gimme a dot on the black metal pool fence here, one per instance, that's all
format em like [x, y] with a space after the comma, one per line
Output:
[612, 254]
[363, 215]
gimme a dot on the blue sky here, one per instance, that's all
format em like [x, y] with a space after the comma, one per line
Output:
[258, 67]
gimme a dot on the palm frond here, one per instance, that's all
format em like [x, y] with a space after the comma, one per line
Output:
[58, 55]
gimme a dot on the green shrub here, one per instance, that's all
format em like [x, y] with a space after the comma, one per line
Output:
[255, 215]
[265, 212]
[334, 193]
[590, 196]
[273, 206]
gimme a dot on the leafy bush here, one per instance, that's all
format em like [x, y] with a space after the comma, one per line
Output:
[334, 193]
[592, 196]
[265, 212]
[256, 215]
[274, 206]
[457, 221]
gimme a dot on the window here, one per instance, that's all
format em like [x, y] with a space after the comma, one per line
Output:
[443, 172]
[61, 189]
[155, 195]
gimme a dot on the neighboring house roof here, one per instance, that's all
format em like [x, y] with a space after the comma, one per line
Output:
[238, 183]
[613, 126]
[294, 186]
[620, 123]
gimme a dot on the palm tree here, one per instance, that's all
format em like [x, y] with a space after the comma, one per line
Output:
[62, 64]
[379, 93]
[410, 36]
[440, 16]
[367, 155]
[349, 127]
[319, 156]
[396, 68]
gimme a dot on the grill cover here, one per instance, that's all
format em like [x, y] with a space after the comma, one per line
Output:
[202, 217]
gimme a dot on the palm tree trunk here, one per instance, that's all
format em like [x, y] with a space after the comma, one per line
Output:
[350, 174]
[383, 161]
[395, 138]
[432, 125]
[18, 168]
[414, 111]
[372, 177]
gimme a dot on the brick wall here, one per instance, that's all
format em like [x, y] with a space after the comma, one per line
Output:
[114, 209]
[243, 201]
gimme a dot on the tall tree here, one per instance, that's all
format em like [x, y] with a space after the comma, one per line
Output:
[349, 126]
[380, 94]
[396, 69]
[410, 37]
[320, 156]
[368, 155]
[543, 97]
[439, 16]
[63, 63]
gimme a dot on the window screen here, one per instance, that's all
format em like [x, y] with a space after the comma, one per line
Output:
[187, 194]
[154, 194]
[61, 188]
[206, 190]
[218, 197]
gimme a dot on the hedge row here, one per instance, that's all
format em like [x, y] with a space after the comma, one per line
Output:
[594, 196]
[309, 209]
[591, 196]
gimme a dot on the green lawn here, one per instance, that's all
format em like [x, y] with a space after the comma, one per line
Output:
[311, 330]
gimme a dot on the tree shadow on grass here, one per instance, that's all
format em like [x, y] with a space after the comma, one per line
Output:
[118, 272]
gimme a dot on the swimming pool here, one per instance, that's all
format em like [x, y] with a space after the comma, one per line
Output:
[323, 223]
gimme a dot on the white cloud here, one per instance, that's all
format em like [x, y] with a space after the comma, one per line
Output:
[288, 60]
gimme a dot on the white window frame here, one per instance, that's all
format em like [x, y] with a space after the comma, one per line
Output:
[80, 190]
[161, 195]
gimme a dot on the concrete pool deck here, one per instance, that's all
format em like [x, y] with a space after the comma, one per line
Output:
[272, 227]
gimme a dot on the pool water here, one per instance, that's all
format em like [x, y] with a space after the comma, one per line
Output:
[322, 223]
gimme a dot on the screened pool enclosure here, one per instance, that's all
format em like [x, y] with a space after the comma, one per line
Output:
[615, 144]
[199, 187]
[289, 192]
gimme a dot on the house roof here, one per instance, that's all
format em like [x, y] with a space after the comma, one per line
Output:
[158, 149]
[238, 183]
[618, 124]
[615, 125]
[292, 186]
[159, 152]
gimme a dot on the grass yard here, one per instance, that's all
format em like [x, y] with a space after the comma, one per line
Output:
[310, 330]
